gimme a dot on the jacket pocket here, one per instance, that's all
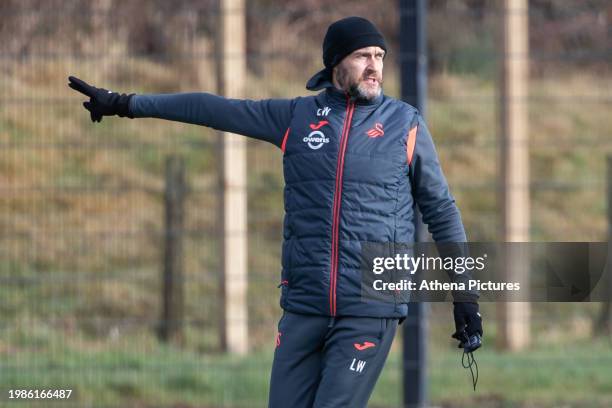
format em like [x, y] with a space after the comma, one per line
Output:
[383, 328]
[284, 286]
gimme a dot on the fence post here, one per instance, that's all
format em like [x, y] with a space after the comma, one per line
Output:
[413, 66]
[172, 291]
[608, 305]
[514, 317]
[231, 75]
[603, 324]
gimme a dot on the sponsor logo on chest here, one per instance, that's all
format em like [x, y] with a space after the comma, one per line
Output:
[316, 138]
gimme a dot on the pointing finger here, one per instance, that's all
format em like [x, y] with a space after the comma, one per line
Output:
[80, 86]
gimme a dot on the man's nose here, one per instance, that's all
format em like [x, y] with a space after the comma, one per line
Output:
[372, 68]
[373, 64]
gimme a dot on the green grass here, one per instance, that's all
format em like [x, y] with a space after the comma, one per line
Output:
[76, 332]
[137, 370]
[572, 375]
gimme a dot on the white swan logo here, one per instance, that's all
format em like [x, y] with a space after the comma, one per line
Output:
[316, 139]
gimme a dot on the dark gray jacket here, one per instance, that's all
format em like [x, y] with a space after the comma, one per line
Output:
[353, 171]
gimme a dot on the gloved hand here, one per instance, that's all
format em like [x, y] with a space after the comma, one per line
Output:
[102, 102]
[468, 325]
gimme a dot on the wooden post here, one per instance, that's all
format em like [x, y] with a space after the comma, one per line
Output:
[231, 67]
[514, 317]
[174, 198]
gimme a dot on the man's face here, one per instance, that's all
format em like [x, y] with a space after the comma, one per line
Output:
[361, 73]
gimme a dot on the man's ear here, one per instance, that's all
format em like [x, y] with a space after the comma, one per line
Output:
[335, 79]
[334, 75]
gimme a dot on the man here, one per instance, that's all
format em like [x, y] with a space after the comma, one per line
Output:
[355, 162]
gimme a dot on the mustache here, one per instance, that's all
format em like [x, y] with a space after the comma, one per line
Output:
[372, 74]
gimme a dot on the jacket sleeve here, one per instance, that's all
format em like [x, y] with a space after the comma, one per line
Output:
[437, 205]
[266, 119]
[431, 191]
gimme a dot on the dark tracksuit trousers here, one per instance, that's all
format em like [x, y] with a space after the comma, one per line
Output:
[321, 362]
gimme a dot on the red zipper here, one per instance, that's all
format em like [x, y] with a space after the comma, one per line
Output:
[350, 107]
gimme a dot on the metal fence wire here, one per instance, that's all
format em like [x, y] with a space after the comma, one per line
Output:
[82, 205]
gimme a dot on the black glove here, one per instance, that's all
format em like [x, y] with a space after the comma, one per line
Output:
[468, 325]
[102, 102]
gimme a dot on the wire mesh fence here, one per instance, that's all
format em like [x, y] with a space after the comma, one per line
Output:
[81, 204]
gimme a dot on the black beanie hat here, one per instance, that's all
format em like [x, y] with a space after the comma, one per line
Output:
[343, 37]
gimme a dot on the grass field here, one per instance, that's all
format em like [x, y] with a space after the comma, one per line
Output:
[138, 372]
[82, 217]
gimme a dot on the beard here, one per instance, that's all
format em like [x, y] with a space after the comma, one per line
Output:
[358, 88]
[361, 91]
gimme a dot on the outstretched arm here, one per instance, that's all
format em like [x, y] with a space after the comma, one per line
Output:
[266, 119]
